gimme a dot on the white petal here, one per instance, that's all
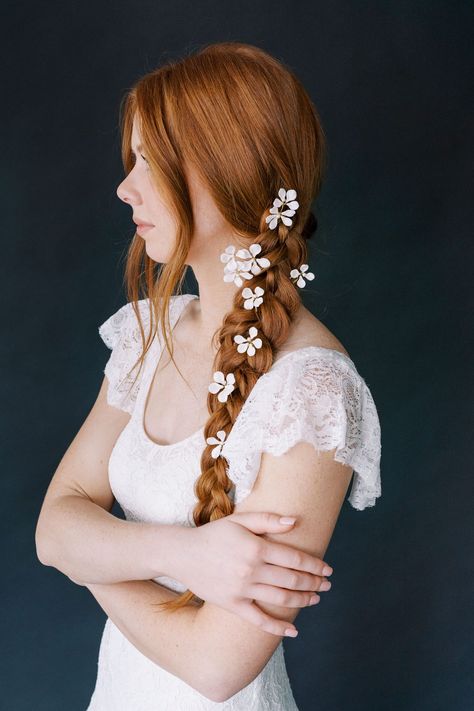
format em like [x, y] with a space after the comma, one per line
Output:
[230, 379]
[288, 213]
[293, 205]
[221, 435]
[212, 440]
[253, 331]
[259, 291]
[242, 347]
[247, 293]
[222, 397]
[257, 342]
[290, 195]
[214, 388]
[287, 221]
[238, 338]
[263, 262]
[294, 273]
[255, 248]
[303, 268]
[282, 194]
[273, 223]
[216, 451]
[258, 301]
[301, 282]
[309, 276]
[251, 350]
[229, 276]
[219, 376]
[274, 210]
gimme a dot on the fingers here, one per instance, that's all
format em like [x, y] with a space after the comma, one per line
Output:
[262, 521]
[291, 579]
[288, 557]
[281, 596]
[249, 611]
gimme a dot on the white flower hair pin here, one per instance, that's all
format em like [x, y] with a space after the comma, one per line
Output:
[301, 274]
[223, 385]
[252, 300]
[221, 435]
[249, 344]
[245, 266]
[284, 207]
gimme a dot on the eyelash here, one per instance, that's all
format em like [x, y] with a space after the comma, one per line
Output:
[134, 160]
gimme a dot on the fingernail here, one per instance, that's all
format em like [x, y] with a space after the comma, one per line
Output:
[325, 585]
[314, 599]
[327, 570]
[291, 632]
[287, 519]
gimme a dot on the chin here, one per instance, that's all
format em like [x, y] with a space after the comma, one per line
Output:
[157, 253]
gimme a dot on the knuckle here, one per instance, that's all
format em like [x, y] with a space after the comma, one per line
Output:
[293, 582]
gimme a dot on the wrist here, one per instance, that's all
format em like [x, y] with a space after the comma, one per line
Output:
[170, 543]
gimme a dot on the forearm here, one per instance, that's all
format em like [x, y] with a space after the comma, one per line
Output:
[171, 640]
[91, 545]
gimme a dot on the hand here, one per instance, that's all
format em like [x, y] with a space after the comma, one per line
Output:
[226, 564]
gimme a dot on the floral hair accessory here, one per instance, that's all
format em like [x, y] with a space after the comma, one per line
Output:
[222, 385]
[247, 264]
[286, 199]
[248, 344]
[221, 435]
[301, 274]
[252, 300]
[255, 263]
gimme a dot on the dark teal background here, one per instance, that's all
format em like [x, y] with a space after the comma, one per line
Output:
[393, 84]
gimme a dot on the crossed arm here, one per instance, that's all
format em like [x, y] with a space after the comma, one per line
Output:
[212, 650]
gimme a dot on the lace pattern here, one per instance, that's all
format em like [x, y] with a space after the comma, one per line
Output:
[312, 394]
[315, 395]
[121, 333]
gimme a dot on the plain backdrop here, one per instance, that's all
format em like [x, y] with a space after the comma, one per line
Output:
[391, 81]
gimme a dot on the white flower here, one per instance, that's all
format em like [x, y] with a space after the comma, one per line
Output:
[285, 199]
[301, 275]
[248, 344]
[220, 443]
[234, 270]
[254, 263]
[225, 384]
[252, 299]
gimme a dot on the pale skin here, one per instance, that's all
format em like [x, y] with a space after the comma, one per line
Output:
[255, 594]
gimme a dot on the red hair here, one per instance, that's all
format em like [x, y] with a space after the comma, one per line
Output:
[244, 121]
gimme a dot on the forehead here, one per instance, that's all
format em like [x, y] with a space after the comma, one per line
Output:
[136, 138]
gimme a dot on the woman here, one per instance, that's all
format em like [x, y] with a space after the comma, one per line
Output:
[224, 154]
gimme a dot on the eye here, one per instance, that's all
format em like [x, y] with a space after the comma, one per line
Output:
[141, 156]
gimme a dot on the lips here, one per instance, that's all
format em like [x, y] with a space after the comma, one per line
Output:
[140, 223]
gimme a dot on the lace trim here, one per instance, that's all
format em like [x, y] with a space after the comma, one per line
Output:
[121, 333]
[321, 399]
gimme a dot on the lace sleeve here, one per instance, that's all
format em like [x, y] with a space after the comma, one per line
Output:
[121, 333]
[320, 399]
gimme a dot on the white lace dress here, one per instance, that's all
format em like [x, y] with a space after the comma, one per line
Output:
[313, 394]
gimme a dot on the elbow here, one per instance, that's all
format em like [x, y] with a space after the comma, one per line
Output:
[42, 549]
[218, 690]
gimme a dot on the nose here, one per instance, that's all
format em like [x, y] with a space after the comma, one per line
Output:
[126, 193]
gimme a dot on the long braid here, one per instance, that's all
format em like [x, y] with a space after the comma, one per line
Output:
[284, 248]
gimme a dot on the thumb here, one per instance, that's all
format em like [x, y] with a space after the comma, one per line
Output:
[262, 521]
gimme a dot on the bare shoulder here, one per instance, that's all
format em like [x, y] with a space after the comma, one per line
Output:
[308, 330]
